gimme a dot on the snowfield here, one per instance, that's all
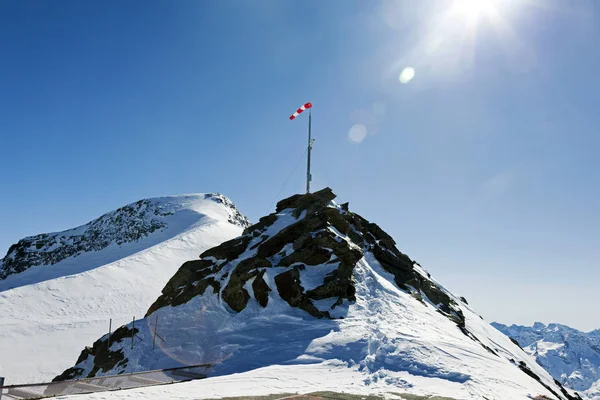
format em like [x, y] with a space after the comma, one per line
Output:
[395, 346]
[50, 312]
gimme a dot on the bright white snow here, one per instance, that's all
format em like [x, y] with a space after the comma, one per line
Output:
[50, 313]
[571, 356]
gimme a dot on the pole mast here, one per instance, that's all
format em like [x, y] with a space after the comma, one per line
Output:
[310, 143]
[307, 106]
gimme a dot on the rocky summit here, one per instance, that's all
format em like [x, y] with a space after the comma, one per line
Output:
[316, 283]
[315, 239]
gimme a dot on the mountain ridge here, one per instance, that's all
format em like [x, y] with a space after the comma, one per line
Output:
[119, 227]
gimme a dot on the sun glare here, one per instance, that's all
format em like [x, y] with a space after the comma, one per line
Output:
[449, 35]
[475, 9]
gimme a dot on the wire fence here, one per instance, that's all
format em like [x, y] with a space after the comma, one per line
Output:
[103, 383]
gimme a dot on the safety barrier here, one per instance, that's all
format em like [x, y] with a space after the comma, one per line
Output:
[103, 383]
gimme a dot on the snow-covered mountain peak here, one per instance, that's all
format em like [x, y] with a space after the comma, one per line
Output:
[62, 289]
[569, 355]
[129, 224]
[314, 283]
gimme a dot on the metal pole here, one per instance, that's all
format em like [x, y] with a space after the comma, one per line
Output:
[308, 176]
[132, 331]
[109, 331]
[155, 325]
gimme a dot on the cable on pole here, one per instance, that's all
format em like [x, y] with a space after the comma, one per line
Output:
[286, 181]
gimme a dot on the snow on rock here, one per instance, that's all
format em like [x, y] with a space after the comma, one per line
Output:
[593, 392]
[570, 356]
[63, 288]
[368, 319]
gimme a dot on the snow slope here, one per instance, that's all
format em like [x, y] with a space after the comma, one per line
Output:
[569, 355]
[593, 392]
[272, 315]
[118, 268]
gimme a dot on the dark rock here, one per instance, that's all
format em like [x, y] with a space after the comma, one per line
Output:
[290, 202]
[464, 300]
[189, 281]
[69, 374]
[379, 234]
[251, 264]
[318, 199]
[359, 222]
[310, 255]
[337, 220]
[533, 375]
[228, 250]
[104, 360]
[87, 351]
[290, 290]
[515, 342]
[261, 289]
[402, 271]
[290, 234]
[337, 284]
[566, 393]
[235, 295]
[302, 241]
[356, 237]
[261, 225]
[300, 202]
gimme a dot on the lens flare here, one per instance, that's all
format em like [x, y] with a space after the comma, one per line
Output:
[357, 133]
[407, 75]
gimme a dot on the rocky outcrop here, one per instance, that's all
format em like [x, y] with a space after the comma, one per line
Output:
[306, 243]
[103, 359]
[321, 233]
[127, 224]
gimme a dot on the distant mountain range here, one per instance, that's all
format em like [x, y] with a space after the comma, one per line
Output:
[569, 355]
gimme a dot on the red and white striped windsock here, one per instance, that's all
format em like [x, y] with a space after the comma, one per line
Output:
[300, 110]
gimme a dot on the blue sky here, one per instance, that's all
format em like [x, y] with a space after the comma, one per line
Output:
[484, 167]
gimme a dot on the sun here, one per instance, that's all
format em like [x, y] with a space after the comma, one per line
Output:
[450, 33]
[475, 9]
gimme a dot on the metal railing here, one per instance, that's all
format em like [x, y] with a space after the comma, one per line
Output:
[103, 383]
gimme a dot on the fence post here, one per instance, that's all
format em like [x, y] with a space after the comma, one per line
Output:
[155, 325]
[1, 384]
[132, 331]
